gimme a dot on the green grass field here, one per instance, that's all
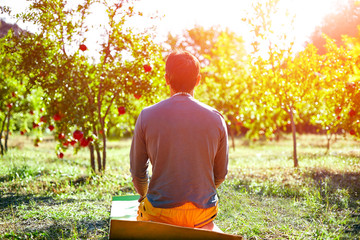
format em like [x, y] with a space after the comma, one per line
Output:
[264, 197]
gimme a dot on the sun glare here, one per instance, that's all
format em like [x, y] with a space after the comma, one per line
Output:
[309, 14]
[180, 15]
[185, 14]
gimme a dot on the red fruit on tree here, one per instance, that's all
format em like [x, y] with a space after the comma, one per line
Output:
[61, 136]
[35, 125]
[351, 87]
[338, 110]
[83, 47]
[60, 155]
[65, 144]
[90, 139]
[352, 113]
[13, 94]
[22, 132]
[73, 142]
[31, 112]
[78, 134]
[9, 105]
[147, 68]
[36, 142]
[51, 127]
[57, 117]
[84, 142]
[338, 117]
[121, 110]
[352, 132]
[137, 96]
[43, 119]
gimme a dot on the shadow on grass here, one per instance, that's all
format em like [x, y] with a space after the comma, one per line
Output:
[332, 184]
[8, 199]
[96, 229]
[322, 191]
[48, 228]
[337, 180]
[316, 155]
[290, 184]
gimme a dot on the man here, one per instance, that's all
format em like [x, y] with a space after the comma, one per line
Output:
[186, 142]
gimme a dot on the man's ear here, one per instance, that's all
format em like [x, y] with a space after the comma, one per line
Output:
[198, 79]
[167, 79]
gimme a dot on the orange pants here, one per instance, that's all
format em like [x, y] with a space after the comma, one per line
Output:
[187, 215]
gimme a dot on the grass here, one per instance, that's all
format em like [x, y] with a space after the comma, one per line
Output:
[264, 197]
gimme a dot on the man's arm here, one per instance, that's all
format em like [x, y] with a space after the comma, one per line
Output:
[139, 160]
[222, 157]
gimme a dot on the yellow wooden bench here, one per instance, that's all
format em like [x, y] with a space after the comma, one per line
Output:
[123, 225]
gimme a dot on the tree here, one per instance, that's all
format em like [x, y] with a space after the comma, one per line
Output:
[225, 76]
[335, 69]
[285, 83]
[82, 90]
[351, 113]
[222, 55]
[14, 89]
[199, 41]
[344, 21]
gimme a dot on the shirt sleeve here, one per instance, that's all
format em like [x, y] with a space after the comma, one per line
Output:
[139, 159]
[221, 157]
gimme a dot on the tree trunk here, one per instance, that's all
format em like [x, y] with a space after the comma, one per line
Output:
[277, 134]
[92, 157]
[328, 137]
[293, 128]
[102, 122]
[1, 145]
[104, 153]
[7, 131]
[98, 157]
[1, 133]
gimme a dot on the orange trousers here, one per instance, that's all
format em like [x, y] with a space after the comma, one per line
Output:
[187, 215]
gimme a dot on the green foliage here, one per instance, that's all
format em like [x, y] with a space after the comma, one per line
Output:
[336, 68]
[224, 78]
[84, 91]
[278, 76]
[63, 81]
[224, 71]
[17, 95]
[345, 14]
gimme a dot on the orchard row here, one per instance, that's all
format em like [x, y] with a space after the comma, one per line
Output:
[83, 94]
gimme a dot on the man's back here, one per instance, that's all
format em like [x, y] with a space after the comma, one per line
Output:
[186, 142]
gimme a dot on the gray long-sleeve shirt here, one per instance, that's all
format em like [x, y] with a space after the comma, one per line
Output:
[186, 142]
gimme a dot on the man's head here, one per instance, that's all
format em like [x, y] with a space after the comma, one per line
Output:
[182, 71]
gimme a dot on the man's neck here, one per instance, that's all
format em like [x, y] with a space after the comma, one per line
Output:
[172, 92]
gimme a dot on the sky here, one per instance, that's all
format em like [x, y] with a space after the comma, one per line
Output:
[184, 14]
